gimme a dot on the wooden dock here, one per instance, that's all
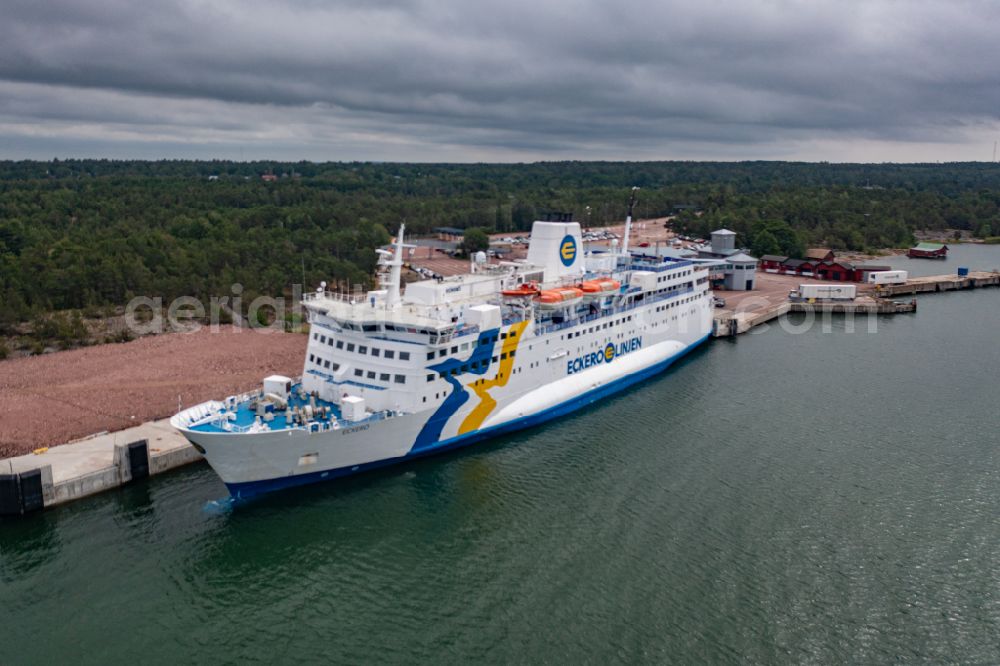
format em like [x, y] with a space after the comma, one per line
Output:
[938, 283]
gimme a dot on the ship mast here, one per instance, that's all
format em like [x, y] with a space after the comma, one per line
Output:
[395, 268]
[628, 221]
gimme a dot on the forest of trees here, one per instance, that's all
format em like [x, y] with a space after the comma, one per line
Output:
[83, 233]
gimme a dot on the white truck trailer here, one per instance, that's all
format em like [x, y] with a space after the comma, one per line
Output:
[888, 277]
[824, 292]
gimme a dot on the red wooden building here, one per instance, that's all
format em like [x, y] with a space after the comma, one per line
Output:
[832, 269]
[772, 263]
[928, 251]
[802, 267]
[838, 271]
[862, 271]
[818, 254]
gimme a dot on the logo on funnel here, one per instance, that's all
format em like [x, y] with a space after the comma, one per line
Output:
[567, 250]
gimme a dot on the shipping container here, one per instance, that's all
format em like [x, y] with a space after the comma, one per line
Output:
[888, 277]
[829, 292]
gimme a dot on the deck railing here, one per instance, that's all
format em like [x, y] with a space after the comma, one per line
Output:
[611, 312]
[467, 331]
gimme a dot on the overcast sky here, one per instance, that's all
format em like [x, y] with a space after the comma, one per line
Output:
[518, 80]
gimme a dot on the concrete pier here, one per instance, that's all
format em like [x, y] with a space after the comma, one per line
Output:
[938, 283]
[728, 324]
[109, 460]
[859, 306]
[103, 461]
[737, 323]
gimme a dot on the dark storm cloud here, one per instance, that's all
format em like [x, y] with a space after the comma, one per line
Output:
[454, 78]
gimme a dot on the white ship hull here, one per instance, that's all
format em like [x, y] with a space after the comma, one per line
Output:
[422, 392]
[251, 464]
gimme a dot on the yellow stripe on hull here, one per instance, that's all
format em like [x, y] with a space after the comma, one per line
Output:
[482, 386]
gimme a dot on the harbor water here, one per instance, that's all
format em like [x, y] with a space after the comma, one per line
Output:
[823, 495]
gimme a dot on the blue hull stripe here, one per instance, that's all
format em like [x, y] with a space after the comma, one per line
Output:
[430, 434]
[251, 488]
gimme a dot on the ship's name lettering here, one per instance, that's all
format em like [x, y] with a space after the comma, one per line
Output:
[607, 354]
[353, 429]
[451, 290]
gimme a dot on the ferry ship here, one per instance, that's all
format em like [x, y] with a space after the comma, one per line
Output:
[396, 374]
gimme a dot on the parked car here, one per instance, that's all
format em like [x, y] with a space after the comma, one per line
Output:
[718, 302]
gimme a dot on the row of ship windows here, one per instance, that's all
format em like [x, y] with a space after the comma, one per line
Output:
[490, 340]
[382, 377]
[475, 365]
[404, 355]
[375, 328]
[323, 363]
[361, 349]
[358, 372]
[667, 290]
[689, 299]
[671, 276]
[619, 322]
[401, 379]
[607, 324]
[438, 396]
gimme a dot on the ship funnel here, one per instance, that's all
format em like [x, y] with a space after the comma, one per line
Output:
[557, 247]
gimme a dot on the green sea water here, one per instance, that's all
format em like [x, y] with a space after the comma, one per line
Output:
[828, 496]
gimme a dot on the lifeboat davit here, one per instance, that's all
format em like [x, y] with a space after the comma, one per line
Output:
[528, 289]
[559, 298]
[599, 288]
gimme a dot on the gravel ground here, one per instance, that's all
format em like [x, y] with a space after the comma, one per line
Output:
[55, 398]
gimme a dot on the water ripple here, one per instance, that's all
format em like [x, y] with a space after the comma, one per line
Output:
[764, 501]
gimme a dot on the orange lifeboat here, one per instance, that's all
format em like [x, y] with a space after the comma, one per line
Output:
[600, 286]
[559, 298]
[529, 289]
